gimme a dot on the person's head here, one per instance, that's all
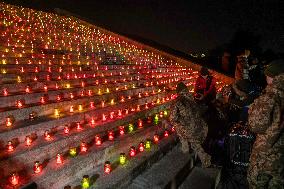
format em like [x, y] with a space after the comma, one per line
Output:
[181, 87]
[275, 68]
[204, 72]
[242, 88]
[245, 92]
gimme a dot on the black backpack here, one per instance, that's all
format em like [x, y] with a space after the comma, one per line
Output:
[238, 145]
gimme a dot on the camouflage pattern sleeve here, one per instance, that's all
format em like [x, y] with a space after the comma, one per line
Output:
[260, 113]
[174, 114]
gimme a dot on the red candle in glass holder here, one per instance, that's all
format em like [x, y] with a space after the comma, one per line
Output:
[141, 147]
[98, 140]
[173, 129]
[14, 179]
[28, 140]
[28, 89]
[82, 93]
[48, 77]
[146, 106]
[37, 167]
[83, 147]
[71, 95]
[58, 98]
[92, 105]
[104, 117]
[110, 135]
[166, 133]
[92, 121]
[10, 147]
[121, 130]
[126, 111]
[107, 167]
[5, 92]
[71, 110]
[83, 84]
[42, 100]
[9, 121]
[138, 108]
[132, 151]
[59, 159]
[140, 123]
[119, 113]
[111, 115]
[66, 130]
[45, 88]
[156, 138]
[78, 126]
[89, 92]
[47, 135]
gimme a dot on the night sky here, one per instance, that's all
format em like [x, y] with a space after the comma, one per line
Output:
[185, 25]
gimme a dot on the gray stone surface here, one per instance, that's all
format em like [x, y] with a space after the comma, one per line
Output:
[49, 122]
[163, 172]
[47, 150]
[123, 175]
[200, 178]
[88, 163]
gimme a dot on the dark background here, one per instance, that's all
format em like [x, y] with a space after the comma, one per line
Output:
[186, 25]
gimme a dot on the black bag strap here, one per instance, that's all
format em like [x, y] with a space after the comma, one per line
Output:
[208, 82]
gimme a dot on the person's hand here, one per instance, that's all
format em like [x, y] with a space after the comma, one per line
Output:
[201, 97]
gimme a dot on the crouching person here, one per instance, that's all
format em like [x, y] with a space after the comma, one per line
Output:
[190, 126]
[266, 119]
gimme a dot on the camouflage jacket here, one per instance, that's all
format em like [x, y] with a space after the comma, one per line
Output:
[266, 120]
[185, 116]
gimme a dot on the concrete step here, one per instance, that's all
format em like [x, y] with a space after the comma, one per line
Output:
[56, 176]
[43, 123]
[122, 175]
[166, 172]
[48, 150]
[200, 178]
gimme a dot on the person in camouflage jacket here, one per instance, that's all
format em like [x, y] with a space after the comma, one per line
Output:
[266, 119]
[190, 126]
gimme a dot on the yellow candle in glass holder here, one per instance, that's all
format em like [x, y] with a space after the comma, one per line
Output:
[56, 112]
[80, 107]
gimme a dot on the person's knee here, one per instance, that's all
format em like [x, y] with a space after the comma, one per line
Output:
[276, 183]
[263, 180]
[184, 145]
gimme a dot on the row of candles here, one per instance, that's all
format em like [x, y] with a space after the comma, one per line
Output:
[133, 77]
[84, 77]
[98, 140]
[133, 151]
[44, 100]
[52, 31]
[48, 134]
[100, 78]
[90, 90]
[83, 93]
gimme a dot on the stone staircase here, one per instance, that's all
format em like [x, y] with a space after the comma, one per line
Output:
[66, 85]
